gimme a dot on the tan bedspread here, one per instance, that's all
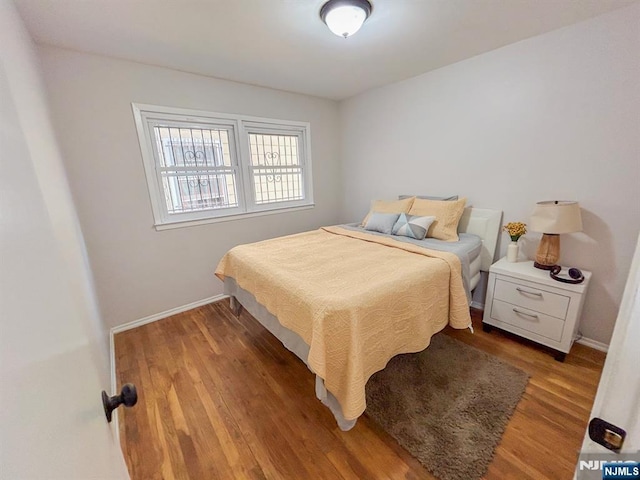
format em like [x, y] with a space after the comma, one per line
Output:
[354, 300]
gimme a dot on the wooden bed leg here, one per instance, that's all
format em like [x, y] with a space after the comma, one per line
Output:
[235, 306]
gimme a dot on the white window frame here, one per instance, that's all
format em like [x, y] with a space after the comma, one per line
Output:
[239, 128]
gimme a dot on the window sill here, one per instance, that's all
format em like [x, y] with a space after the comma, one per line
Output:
[203, 221]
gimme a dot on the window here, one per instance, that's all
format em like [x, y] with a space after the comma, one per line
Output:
[204, 167]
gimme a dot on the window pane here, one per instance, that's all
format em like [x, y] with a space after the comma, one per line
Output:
[276, 169]
[196, 191]
[274, 150]
[192, 147]
[281, 184]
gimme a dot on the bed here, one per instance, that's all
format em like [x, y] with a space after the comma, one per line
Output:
[346, 300]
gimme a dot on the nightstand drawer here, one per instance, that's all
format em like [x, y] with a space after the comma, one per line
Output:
[531, 298]
[534, 322]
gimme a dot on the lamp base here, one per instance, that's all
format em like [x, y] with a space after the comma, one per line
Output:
[542, 267]
[548, 251]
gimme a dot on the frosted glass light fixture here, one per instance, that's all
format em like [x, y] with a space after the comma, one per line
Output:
[345, 17]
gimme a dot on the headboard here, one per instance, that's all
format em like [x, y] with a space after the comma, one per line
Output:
[486, 224]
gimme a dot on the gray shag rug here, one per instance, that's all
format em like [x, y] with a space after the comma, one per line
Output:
[447, 405]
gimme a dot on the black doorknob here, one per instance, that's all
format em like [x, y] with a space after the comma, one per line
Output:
[128, 396]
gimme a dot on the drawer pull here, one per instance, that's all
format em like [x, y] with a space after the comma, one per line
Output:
[525, 313]
[537, 294]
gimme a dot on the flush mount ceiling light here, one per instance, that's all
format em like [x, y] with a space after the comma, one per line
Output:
[345, 17]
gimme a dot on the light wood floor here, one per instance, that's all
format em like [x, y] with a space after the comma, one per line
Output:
[219, 397]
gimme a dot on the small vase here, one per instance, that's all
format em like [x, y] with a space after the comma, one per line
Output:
[512, 252]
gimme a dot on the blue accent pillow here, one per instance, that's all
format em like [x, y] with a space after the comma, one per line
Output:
[412, 226]
[381, 222]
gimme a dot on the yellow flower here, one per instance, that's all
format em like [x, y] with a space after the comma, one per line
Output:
[515, 230]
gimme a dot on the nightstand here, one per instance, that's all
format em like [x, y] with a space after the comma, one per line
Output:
[525, 300]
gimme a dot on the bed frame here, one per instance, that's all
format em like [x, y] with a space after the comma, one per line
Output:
[482, 222]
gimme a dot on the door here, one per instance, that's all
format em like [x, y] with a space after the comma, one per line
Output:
[618, 398]
[52, 365]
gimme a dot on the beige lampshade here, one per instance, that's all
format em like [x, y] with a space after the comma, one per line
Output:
[556, 216]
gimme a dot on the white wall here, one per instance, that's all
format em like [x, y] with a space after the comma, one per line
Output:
[552, 117]
[54, 362]
[138, 270]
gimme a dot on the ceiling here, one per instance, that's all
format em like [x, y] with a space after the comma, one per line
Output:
[283, 44]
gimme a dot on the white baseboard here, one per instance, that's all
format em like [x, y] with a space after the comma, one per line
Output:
[603, 347]
[167, 313]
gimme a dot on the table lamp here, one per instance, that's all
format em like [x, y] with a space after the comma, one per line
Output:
[552, 218]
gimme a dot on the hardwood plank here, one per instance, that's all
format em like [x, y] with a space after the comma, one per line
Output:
[250, 400]
[220, 397]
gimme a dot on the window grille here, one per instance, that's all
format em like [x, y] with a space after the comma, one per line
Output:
[196, 170]
[275, 168]
[203, 166]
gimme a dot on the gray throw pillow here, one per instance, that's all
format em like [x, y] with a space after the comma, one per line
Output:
[381, 222]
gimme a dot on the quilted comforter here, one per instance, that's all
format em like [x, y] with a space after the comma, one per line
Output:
[356, 299]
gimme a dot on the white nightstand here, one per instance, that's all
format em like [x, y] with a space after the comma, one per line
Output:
[525, 300]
